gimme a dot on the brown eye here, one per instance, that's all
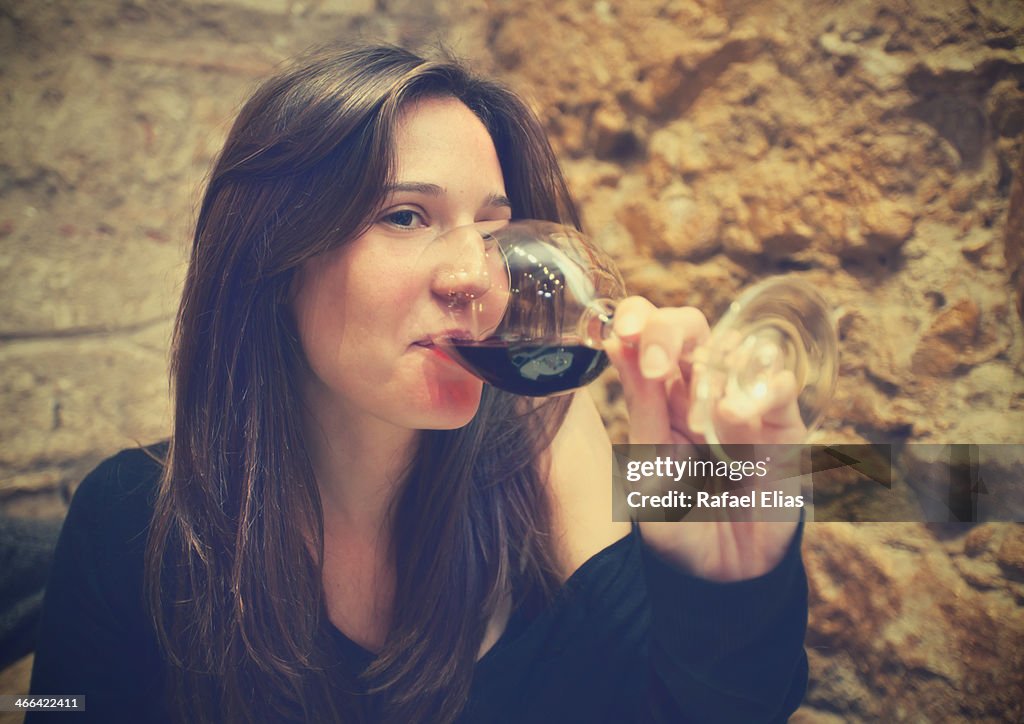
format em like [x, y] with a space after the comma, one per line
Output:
[404, 219]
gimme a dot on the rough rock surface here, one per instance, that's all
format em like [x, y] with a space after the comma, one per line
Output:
[873, 148]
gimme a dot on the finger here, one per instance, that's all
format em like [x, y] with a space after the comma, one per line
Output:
[737, 412]
[702, 385]
[651, 349]
[742, 416]
[679, 406]
[781, 408]
[630, 317]
[645, 398]
[669, 339]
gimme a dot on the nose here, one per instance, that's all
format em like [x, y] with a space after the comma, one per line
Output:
[466, 267]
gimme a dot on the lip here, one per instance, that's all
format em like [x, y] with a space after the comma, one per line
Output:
[427, 345]
[431, 340]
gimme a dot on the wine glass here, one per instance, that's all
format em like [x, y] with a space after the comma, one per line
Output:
[530, 304]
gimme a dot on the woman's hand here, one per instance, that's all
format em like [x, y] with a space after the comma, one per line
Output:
[654, 351]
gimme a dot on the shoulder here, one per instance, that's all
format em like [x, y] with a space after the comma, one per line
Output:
[128, 473]
[579, 481]
[95, 633]
[115, 501]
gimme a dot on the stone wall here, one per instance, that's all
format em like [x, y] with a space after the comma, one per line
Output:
[873, 148]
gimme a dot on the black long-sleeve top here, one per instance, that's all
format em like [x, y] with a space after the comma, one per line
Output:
[631, 638]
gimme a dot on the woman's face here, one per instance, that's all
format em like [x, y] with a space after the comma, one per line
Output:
[366, 311]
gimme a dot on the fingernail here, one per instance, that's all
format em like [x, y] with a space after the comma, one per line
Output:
[655, 361]
[628, 325]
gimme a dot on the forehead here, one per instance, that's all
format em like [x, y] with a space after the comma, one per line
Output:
[434, 133]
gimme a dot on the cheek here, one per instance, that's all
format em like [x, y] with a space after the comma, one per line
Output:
[356, 316]
[356, 327]
[344, 299]
[316, 320]
[324, 321]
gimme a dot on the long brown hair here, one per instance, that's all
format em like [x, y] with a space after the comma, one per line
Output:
[233, 581]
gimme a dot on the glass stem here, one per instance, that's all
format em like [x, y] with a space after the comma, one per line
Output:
[595, 324]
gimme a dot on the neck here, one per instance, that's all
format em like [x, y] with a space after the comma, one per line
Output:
[359, 463]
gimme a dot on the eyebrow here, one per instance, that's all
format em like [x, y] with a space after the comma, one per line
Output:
[435, 190]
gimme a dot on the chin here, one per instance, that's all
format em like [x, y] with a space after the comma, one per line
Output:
[450, 405]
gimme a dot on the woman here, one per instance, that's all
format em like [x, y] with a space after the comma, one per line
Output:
[348, 526]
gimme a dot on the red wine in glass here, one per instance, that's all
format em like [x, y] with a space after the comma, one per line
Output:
[536, 368]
